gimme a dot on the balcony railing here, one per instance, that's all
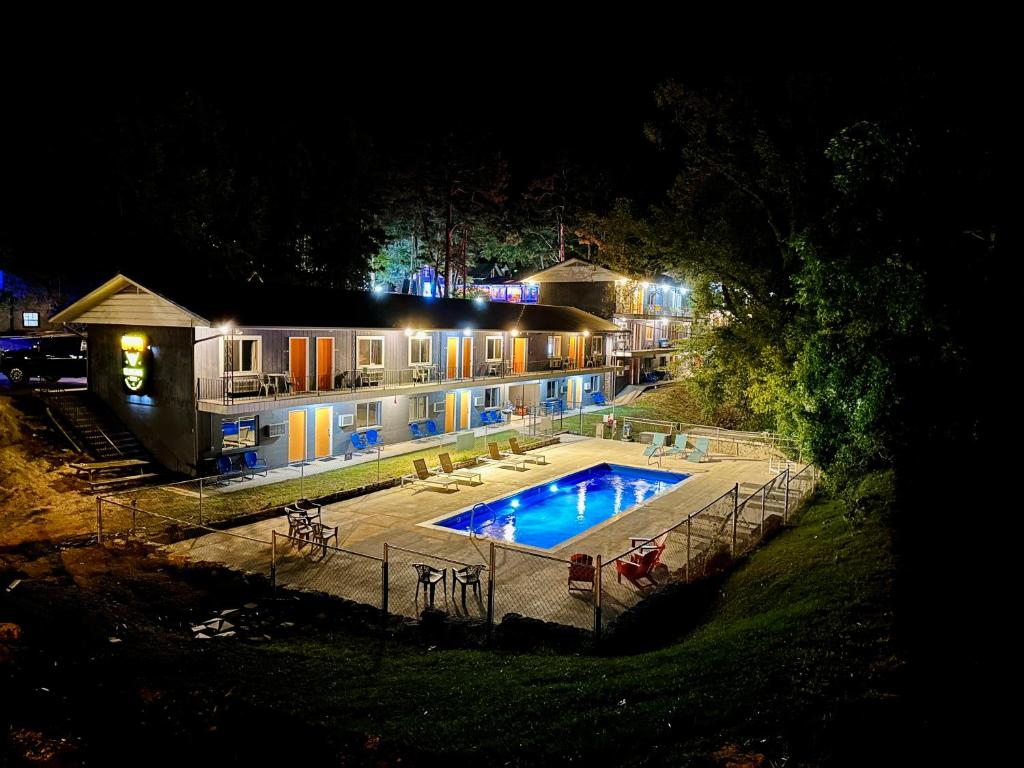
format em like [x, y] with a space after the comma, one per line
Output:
[245, 387]
[630, 310]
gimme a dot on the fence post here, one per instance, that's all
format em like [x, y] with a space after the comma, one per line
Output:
[273, 563]
[688, 548]
[735, 514]
[490, 588]
[384, 585]
[785, 509]
[597, 601]
[200, 501]
[99, 519]
[764, 495]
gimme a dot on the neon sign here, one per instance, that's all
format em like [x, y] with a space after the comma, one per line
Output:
[133, 361]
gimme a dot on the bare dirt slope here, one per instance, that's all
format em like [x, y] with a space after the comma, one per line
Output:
[39, 502]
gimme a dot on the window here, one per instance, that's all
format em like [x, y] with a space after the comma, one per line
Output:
[551, 388]
[30, 319]
[493, 348]
[554, 346]
[417, 407]
[648, 333]
[368, 414]
[420, 351]
[239, 433]
[492, 397]
[595, 384]
[241, 354]
[597, 346]
[369, 351]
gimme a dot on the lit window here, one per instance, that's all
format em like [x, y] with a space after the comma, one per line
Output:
[369, 351]
[368, 414]
[597, 345]
[554, 346]
[492, 397]
[493, 348]
[239, 433]
[241, 354]
[420, 351]
[417, 407]
[30, 319]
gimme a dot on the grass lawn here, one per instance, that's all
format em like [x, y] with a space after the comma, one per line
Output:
[795, 661]
[240, 501]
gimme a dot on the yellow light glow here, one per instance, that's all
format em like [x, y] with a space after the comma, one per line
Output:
[409, 331]
[134, 342]
[514, 332]
[586, 332]
[467, 332]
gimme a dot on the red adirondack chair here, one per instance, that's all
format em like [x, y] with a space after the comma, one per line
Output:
[638, 569]
[581, 571]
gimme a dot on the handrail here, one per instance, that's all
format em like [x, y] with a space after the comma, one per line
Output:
[472, 515]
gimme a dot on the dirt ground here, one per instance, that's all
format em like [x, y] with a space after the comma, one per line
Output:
[39, 502]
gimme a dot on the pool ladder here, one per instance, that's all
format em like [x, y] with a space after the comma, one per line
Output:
[472, 515]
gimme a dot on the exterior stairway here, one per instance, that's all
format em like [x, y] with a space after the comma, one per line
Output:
[96, 429]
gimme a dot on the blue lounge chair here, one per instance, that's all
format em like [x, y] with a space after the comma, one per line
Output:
[598, 399]
[373, 438]
[254, 464]
[431, 428]
[700, 450]
[417, 433]
[678, 448]
[656, 449]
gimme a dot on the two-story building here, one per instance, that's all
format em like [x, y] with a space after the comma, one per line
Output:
[652, 314]
[198, 369]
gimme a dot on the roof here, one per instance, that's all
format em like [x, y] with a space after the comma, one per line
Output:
[203, 302]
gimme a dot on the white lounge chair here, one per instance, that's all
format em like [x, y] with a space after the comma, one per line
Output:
[423, 476]
[495, 457]
[448, 469]
[517, 450]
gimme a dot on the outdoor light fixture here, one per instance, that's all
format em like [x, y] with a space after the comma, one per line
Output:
[224, 328]
[515, 504]
[553, 488]
[409, 331]
[478, 300]
[586, 332]
[378, 288]
[514, 332]
[467, 331]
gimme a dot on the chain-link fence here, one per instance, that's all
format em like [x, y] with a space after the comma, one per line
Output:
[799, 487]
[420, 580]
[538, 586]
[300, 563]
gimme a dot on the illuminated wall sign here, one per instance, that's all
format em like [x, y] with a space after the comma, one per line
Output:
[133, 361]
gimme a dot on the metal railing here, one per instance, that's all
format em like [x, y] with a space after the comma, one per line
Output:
[247, 387]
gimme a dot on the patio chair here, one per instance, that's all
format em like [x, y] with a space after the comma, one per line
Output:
[495, 457]
[678, 448]
[310, 507]
[254, 464]
[598, 399]
[638, 569]
[428, 576]
[517, 450]
[424, 476]
[417, 433]
[700, 450]
[459, 474]
[319, 534]
[373, 438]
[359, 444]
[299, 526]
[432, 428]
[485, 418]
[226, 470]
[497, 418]
[650, 544]
[467, 576]
[581, 573]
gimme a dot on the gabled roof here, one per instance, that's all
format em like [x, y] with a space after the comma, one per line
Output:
[203, 302]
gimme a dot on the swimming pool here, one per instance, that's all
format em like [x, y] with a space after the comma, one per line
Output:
[546, 515]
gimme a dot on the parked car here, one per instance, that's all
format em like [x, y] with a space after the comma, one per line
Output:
[49, 357]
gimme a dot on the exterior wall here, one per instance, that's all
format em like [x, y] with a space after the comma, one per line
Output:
[597, 298]
[18, 297]
[163, 419]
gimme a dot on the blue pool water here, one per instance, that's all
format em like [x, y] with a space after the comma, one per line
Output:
[546, 515]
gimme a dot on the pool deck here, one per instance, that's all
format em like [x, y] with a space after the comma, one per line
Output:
[531, 585]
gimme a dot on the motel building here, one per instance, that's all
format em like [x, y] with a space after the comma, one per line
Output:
[198, 370]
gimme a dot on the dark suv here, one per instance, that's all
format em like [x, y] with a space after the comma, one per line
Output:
[48, 357]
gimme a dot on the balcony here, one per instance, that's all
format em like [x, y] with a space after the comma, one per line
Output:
[652, 311]
[246, 389]
[627, 348]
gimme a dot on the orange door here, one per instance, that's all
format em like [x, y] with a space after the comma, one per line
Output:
[296, 436]
[322, 432]
[581, 349]
[519, 355]
[453, 357]
[324, 363]
[467, 357]
[573, 344]
[449, 412]
[298, 362]
[465, 401]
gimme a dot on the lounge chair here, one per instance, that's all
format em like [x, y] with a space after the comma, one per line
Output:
[678, 448]
[700, 450]
[449, 469]
[582, 572]
[645, 544]
[598, 399]
[373, 439]
[517, 450]
[417, 433]
[495, 457]
[432, 429]
[638, 569]
[254, 464]
[423, 476]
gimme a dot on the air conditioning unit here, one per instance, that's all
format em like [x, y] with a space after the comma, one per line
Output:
[439, 406]
[275, 430]
[345, 419]
[478, 401]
